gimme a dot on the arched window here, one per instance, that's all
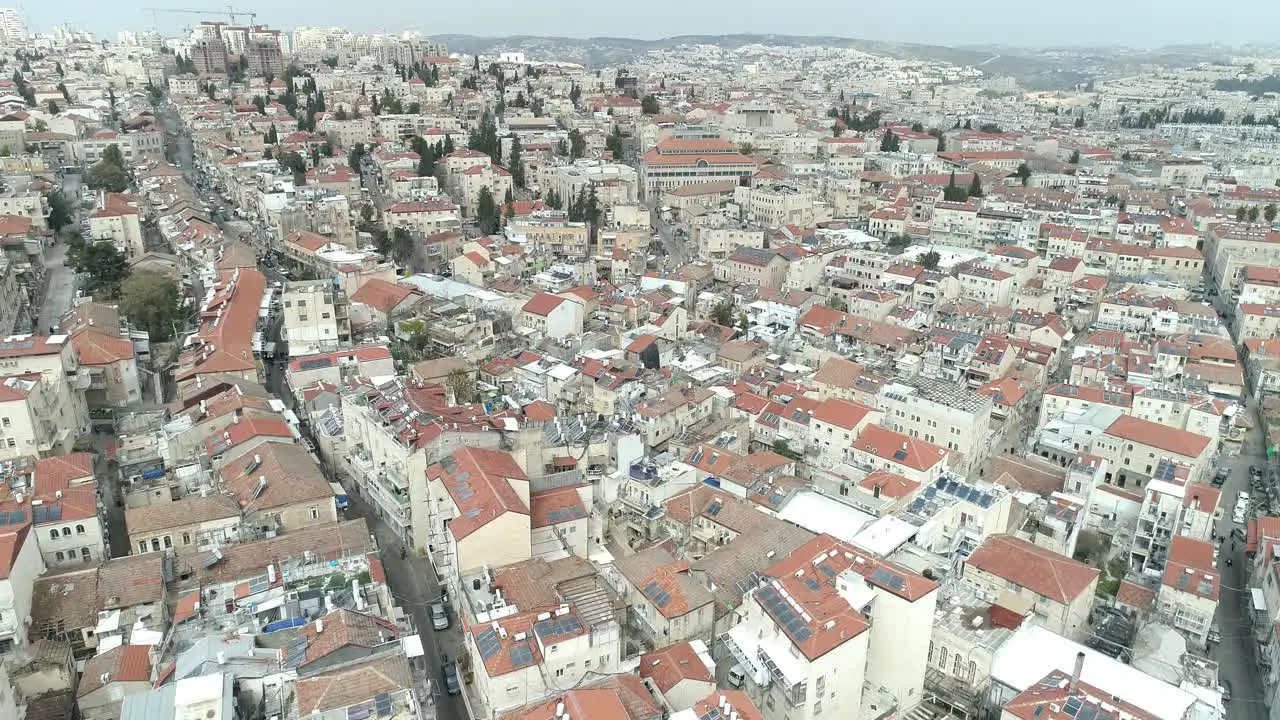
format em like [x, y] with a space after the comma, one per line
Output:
[955, 669]
[79, 529]
[66, 532]
[58, 556]
[930, 652]
[973, 669]
[53, 534]
[942, 658]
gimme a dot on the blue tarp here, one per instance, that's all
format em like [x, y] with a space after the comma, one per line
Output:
[153, 474]
[284, 624]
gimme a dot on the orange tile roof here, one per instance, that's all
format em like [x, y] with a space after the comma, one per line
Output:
[1038, 569]
[382, 295]
[841, 413]
[126, 663]
[553, 507]
[1162, 437]
[890, 485]
[477, 482]
[342, 629]
[1189, 568]
[898, 448]
[542, 304]
[669, 666]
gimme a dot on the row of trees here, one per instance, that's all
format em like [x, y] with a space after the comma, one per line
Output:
[1251, 214]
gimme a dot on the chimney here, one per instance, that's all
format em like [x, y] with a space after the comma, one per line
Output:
[320, 628]
[1075, 674]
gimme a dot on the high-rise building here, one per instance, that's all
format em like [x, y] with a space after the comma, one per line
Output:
[11, 25]
[209, 55]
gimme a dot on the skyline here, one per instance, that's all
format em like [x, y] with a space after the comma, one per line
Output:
[937, 23]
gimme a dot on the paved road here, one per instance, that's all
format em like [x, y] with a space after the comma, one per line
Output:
[677, 249]
[60, 288]
[413, 583]
[1237, 653]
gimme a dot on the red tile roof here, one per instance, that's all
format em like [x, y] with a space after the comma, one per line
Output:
[478, 483]
[382, 295]
[669, 666]
[126, 663]
[542, 304]
[898, 448]
[1038, 569]
[1162, 437]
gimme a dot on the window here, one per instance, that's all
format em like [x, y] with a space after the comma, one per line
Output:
[79, 529]
[66, 532]
[930, 660]
[559, 672]
[302, 318]
[142, 546]
[186, 538]
[53, 534]
[58, 556]
[955, 668]
[155, 544]
[167, 542]
[942, 658]
[84, 553]
[817, 708]
[11, 442]
[5, 422]
[315, 513]
[324, 316]
[973, 670]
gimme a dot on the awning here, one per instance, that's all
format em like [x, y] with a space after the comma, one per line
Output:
[1259, 602]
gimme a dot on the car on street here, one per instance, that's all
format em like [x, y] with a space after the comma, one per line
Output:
[439, 616]
[452, 681]
[1242, 498]
[1238, 517]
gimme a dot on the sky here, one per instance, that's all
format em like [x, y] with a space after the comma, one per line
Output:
[1136, 23]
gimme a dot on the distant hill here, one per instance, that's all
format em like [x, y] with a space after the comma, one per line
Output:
[1036, 69]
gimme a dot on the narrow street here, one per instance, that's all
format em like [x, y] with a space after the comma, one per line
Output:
[60, 288]
[1237, 653]
[413, 583]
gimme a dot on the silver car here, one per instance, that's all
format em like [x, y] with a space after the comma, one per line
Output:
[439, 616]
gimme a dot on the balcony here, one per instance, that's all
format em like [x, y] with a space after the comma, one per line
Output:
[795, 690]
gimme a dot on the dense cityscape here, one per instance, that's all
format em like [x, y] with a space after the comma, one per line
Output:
[350, 375]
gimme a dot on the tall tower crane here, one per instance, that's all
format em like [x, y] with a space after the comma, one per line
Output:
[230, 12]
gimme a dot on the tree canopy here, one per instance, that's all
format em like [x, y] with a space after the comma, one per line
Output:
[152, 302]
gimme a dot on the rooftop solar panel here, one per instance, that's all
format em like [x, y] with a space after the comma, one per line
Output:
[488, 644]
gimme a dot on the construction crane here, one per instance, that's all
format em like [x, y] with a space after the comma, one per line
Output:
[230, 12]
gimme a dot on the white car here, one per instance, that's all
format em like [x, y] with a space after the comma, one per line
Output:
[1238, 518]
[1243, 497]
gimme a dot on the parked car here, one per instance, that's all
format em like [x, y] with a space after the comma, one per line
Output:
[452, 681]
[439, 616]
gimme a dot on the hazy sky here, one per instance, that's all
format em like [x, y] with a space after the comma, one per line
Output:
[946, 22]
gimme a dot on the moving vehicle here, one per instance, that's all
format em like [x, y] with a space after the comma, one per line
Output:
[452, 681]
[439, 616]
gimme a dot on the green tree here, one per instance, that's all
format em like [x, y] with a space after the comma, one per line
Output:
[106, 267]
[516, 162]
[1023, 173]
[487, 212]
[1075, 157]
[575, 92]
[722, 314]
[272, 136]
[953, 192]
[1253, 214]
[930, 260]
[402, 246]
[614, 143]
[462, 385]
[52, 107]
[113, 155]
[890, 142]
[744, 324]
[1241, 213]
[783, 448]
[1269, 212]
[108, 176]
[975, 187]
[59, 210]
[152, 302]
[577, 144]
[649, 105]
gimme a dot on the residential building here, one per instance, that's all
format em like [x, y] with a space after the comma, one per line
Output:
[1060, 589]
[1188, 594]
[679, 161]
[316, 317]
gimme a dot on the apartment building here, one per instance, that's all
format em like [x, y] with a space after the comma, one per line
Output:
[832, 631]
[1257, 321]
[424, 217]
[679, 161]
[108, 352]
[752, 266]
[46, 371]
[316, 317]
[666, 602]
[223, 342]
[551, 231]
[879, 448]
[547, 315]
[184, 527]
[1230, 247]
[116, 219]
[939, 412]
[479, 513]
[1189, 589]
[1134, 448]
[834, 426]
[475, 179]
[1171, 508]
[1061, 590]
[19, 569]
[773, 205]
[57, 496]
[675, 410]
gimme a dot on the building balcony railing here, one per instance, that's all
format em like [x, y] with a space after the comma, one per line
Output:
[795, 691]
